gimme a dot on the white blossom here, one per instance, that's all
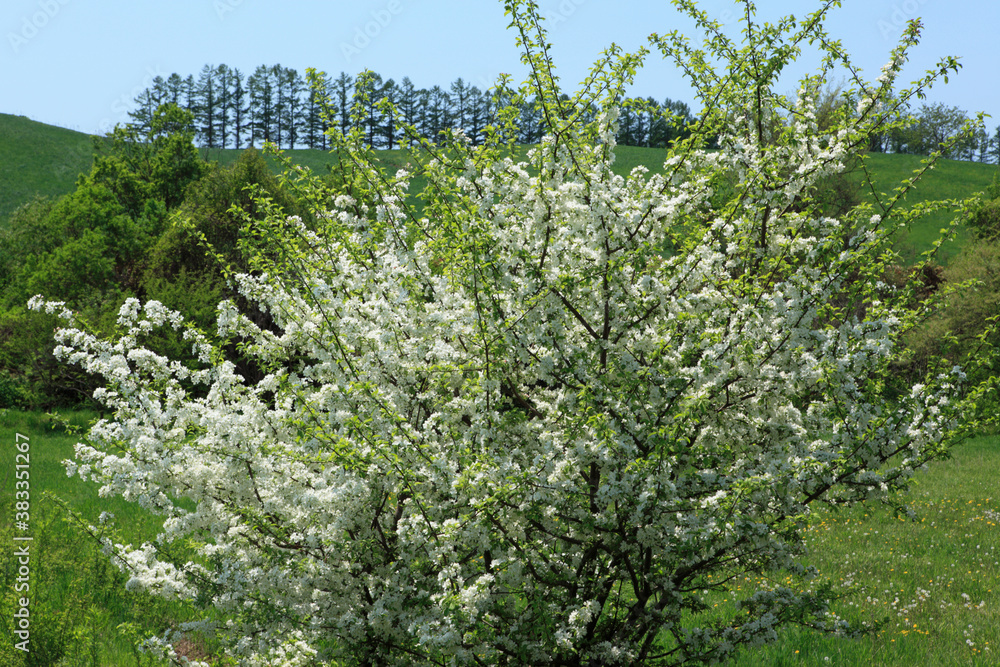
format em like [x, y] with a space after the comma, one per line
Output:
[470, 432]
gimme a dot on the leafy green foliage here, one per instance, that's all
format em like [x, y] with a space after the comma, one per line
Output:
[157, 164]
[185, 265]
[92, 246]
[985, 218]
[934, 127]
[138, 224]
[28, 371]
[214, 210]
[959, 329]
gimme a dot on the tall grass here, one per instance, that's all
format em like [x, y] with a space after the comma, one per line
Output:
[81, 613]
[950, 179]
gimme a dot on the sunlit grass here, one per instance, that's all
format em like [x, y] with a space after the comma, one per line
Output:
[81, 612]
[950, 179]
[933, 581]
[38, 160]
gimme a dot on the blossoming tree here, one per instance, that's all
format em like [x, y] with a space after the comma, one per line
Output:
[539, 413]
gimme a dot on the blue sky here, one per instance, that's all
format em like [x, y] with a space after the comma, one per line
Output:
[80, 63]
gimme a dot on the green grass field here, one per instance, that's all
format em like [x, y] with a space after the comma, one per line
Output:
[933, 581]
[38, 160]
[81, 613]
[950, 179]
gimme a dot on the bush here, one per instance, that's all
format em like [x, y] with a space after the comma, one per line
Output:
[960, 329]
[502, 428]
[91, 247]
[13, 393]
[984, 218]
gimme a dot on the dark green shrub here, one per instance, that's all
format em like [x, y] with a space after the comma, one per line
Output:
[984, 220]
[13, 392]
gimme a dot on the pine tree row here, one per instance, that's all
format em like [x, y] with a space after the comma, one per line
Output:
[277, 104]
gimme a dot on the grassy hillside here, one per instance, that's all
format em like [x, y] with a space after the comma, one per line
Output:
[38, 159]
[950, 179]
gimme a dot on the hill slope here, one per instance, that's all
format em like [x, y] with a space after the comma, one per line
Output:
[950, 179]
[38, 159]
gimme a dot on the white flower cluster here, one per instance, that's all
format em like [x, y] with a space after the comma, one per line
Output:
[527, 428]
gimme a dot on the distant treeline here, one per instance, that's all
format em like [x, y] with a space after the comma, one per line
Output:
[277, 104]
[937, 126]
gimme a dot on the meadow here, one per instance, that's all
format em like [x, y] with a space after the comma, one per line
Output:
[928, 587]
[930, 584]
[81, 613]
[39, 160]
[950, 179]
